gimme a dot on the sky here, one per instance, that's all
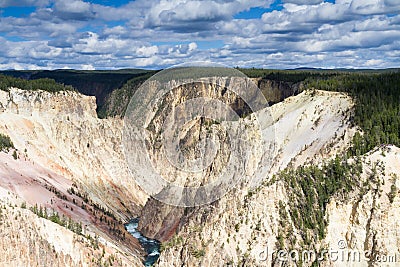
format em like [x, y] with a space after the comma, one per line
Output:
[153, 34]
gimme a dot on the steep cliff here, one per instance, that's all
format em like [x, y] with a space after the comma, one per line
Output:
[28, 240]
[366, 224]
[249, 226]
[276, 91]
[320, 128]
[69, 161]
[99, 83]
[62, 133]
[115, 102]
[362, 227]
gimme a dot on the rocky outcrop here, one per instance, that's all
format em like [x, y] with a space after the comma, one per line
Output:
[244, 227]
[319, 128]
[366, 226]
[97, 83]
[61, 132]
[71, 162]
[28, 240]
[276, 91]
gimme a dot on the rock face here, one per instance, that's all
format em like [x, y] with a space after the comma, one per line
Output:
[276, 91]
[319, 128]
[62, 133]
[243, 228]
[367, 225]
[200, 129]
[71, 162]
[28, 240]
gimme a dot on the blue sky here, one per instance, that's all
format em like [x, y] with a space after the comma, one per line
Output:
[106, 34]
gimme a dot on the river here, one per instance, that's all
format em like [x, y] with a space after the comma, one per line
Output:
[151, 246]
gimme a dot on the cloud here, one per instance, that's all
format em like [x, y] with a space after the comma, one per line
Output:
[22, 3]
[90, 43]
[73, 10]
[181, 50]
[87, 67]
[37, 28]
[306, 19]
[392, 3]
[142, 33]
[366, 6]
[353, 40]
[370, 7]
[183, 16]
[147, 51]
[304, 2]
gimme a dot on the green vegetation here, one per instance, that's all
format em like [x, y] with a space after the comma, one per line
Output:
[298, 75]
[5, 143]
[175, 241]
[393, 189]
[85, 197]
[45, 84]
[54, 217]
[190, 73]
[293, 76]
[311, 187]
[377, 106]
[199, 253]
[118, 100]
[392, 193]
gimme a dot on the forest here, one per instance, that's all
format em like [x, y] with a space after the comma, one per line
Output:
[46, 84]
[377, 106]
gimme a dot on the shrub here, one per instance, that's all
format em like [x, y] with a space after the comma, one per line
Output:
[5, 143]
[199, 253]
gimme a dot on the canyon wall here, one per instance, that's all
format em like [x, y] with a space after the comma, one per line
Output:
[248, 226]
[70, 162]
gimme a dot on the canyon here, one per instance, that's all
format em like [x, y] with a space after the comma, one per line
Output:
[71, 162]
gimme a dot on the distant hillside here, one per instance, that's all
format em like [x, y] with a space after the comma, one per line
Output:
[45, 84]
[93, 83]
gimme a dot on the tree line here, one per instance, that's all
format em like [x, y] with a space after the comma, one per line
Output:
[377, 106]
[45, 84]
